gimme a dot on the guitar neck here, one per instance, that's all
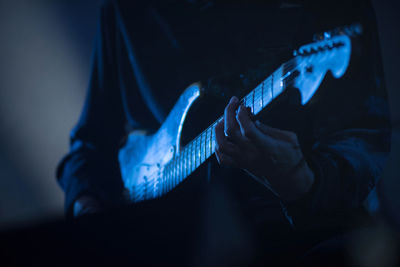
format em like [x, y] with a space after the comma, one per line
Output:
[203, 146]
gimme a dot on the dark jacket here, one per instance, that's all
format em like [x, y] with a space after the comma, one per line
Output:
[148, 52]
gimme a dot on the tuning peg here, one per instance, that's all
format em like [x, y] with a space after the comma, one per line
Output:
[327, 35]
[313, 50]
[351, 30]
[298, 53]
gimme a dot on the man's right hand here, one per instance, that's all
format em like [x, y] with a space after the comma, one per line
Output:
[86, 205]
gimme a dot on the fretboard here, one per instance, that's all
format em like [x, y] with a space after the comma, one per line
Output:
[203, 146]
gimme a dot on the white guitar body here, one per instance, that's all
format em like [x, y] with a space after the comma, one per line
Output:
[143, 158]
[152, 165]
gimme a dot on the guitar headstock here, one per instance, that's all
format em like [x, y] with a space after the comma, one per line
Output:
[331, 52]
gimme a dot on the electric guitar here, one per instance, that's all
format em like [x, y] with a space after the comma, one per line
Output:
[153, 165]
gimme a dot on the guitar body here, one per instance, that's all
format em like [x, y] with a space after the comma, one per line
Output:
[143, 158]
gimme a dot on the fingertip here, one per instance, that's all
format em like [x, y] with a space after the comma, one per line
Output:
[241, 112]
[233, 100]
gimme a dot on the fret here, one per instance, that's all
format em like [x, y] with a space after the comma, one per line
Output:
[198, 157]
[175, 171]
[202, 150]
[211, 129]
[205, 144]
[180, 169]
[267, 96]
[187, 161]
[189, 147]
[277, 86]
[213, 138]
[193, 154]
[262, 94]
[272, 86]
[255, 101]
[184, 164]
[252, 103]
[181, 165]
[258, 99]
[208, 143]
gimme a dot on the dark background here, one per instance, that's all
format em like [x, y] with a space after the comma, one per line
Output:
[45, 53]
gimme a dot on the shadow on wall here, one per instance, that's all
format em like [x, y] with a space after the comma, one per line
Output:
[44, 66]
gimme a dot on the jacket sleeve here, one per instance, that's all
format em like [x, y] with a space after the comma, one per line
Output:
[91, 166]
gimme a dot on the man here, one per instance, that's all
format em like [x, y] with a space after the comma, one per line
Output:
[321, 160]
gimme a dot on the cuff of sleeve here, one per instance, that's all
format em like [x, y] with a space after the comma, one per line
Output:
[78, 176]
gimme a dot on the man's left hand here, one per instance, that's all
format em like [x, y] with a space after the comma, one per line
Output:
[266, 152]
